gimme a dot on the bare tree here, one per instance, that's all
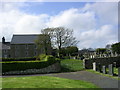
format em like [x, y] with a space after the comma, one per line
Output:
[60, 37]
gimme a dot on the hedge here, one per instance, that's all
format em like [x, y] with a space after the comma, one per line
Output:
[19, 59]
[24, 65]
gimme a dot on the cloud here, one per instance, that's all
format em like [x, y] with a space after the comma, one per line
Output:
[31, 24]
[105, 12]
[93, 25]
[72, 18]
[97, 38]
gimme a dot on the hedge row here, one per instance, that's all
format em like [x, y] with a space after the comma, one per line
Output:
[24, 65]
[19, 59]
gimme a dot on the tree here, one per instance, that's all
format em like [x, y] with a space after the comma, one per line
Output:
[43, 42]
[60, 37]
[116, 48]
[71, 50]
[101, 50]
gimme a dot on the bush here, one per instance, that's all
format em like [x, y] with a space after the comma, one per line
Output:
[41, 57]
[50, 58]
[66, 57]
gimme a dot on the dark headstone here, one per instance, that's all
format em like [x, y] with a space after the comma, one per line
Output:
[114, 64]
[99, 68]
[111, 71]
[119, 71]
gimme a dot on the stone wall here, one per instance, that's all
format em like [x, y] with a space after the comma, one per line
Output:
[52, 68]
[88, 63]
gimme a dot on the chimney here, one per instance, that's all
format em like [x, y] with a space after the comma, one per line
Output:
[3, 40]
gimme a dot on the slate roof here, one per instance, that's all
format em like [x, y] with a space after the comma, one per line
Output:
[24, 39]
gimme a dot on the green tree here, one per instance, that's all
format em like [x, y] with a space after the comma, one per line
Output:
[116, 48]
[71, 50]
[60, 37]
[43, 42]
[101, 50]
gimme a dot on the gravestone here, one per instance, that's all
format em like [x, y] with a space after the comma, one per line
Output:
[99, 67]
[94, 66]
[104, 69]
[118, 71]
[115, 64]
[111, 72]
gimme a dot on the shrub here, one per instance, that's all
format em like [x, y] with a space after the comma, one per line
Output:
[41, 57]
[50, 58]
[57, 59]
[66, 57]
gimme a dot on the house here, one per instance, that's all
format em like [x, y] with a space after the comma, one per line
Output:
[25, 46]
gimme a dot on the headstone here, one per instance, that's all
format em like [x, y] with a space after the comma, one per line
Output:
[104, 69]
[116, 54]
[84, 64]
[99, 67]
[94, 66]
[111, 72]
[115, 64]
[118, 71]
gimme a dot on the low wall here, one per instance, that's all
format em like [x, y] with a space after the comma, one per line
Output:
[88, 63]
[52, 68]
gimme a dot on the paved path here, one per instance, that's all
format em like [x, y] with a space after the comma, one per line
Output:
[99, 80]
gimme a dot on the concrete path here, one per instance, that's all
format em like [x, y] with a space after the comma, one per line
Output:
[99, 80]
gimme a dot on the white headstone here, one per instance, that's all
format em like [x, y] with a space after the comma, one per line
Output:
[94, 66]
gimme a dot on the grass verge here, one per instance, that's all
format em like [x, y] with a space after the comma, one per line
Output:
[44, 82]
[96, 72]
[71, 65]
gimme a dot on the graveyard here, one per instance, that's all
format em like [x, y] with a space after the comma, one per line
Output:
[69, 67]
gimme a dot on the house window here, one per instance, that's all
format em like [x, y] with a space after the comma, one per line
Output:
[16, 47]
[26, 46]
[5, 51]
[35, 46]
[35, 53]
[5, 56]
[15, 53]
[26, 53]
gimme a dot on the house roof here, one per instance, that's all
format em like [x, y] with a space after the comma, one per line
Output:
[24, 39]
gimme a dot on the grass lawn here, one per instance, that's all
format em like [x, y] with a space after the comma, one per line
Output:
[44, 82]
[70, 65]
[0, 83]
